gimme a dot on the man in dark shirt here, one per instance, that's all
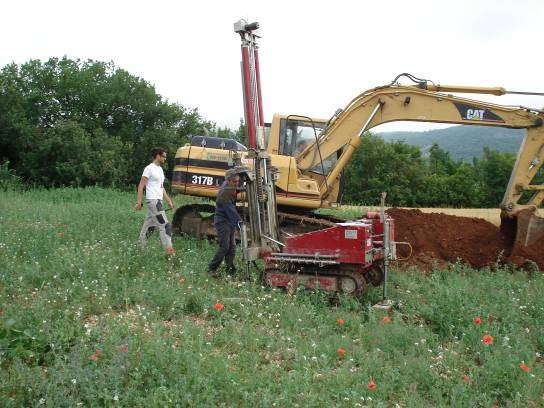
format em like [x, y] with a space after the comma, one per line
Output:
[225, 220]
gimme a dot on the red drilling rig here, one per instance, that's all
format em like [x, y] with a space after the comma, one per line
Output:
[342, 258]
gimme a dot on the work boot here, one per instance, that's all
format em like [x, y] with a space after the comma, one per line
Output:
[231, 270]
[213, 273]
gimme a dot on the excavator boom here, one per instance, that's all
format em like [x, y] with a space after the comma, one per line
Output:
[422, 103]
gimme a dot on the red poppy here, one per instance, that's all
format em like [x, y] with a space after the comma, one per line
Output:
[96, 355]
[466, 378]
[487, 339]
[371, 385]
[524, 367]
[60, 234]
[477, 320]
[386, 319]
[340, 321]
[219, 307]
[123, 349]
[341, 352]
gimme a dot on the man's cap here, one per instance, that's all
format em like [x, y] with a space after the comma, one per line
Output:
[230, 173]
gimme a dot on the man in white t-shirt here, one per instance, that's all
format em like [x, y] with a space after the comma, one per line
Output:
[153, 179]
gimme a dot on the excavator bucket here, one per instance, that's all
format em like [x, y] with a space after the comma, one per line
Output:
[526, 228]
[530, 227]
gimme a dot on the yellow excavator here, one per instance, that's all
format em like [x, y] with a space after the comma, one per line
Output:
[311, 154]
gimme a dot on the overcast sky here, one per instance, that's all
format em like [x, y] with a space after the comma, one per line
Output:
[315, 56]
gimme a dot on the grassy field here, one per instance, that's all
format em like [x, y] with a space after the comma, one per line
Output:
[89, 319]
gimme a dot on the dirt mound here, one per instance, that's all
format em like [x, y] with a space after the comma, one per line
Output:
[440, 238]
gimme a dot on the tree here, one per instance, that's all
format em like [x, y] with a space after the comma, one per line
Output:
[416, 181]
[494, 169]
[228, 133]
[378, 166]
[64, 108]
[440, 161]
[76, 157]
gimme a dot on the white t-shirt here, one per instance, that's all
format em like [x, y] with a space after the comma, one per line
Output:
[155, 179]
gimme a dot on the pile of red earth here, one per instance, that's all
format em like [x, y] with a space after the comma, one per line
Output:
[439, 238]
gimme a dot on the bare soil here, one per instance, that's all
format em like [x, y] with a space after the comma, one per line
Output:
[439, 238]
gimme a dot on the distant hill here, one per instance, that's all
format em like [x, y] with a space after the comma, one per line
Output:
[463, 142]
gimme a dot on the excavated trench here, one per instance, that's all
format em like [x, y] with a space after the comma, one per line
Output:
[439, 238]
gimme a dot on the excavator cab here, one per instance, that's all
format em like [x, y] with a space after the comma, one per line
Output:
[289, 134]
[297, 134]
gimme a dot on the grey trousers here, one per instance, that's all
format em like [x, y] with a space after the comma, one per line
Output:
[156, 219]
[227, 247]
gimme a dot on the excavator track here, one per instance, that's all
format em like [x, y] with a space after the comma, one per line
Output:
[375, 275]
[194, 220]
[197, 220]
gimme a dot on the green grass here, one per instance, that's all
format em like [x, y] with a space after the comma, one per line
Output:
[88, 318]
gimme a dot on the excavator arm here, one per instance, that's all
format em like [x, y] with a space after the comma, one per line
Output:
[424, 103]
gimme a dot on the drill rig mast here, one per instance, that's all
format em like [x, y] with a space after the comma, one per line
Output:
[251, 83]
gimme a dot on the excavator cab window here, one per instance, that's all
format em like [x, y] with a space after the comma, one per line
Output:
[296, 134]
[328, 164]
